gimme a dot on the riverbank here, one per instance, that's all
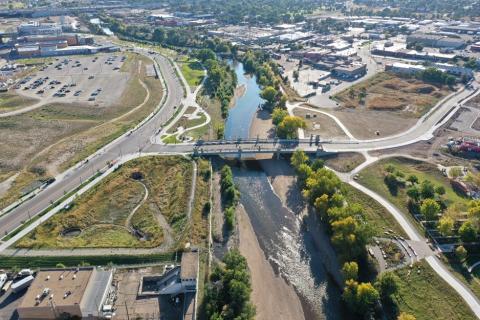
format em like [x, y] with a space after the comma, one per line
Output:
[272, 296]
[261, 125]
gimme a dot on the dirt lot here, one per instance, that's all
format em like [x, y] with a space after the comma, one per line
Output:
[389, 92]
[47, 140]
[319, 124]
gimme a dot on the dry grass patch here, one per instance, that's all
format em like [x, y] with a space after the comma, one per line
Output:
[105, 217]
[390, 92]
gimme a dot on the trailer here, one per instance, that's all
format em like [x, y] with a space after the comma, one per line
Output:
[22, 284]
[6, 286]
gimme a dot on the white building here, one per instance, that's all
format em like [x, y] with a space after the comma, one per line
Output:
[36, 28]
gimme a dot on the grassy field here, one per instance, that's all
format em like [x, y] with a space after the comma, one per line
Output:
[188, 123]
[372, 178]
[198, 227]
[212, 107]
[50, 139]
[102, 214]
[425, 295]
[377, 216]
[344, 162]
[9, 262]
[9, 102]
[389, 92]
[192, 71]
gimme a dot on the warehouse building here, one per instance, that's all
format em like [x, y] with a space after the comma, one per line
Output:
[66, 293]
[37, 28]
[435, 41]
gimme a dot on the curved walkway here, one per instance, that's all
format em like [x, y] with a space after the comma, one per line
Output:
[129, 218]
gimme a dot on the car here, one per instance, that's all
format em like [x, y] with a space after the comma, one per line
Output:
[85, 68]
[91, 77]
[40, 91]
[91, 99]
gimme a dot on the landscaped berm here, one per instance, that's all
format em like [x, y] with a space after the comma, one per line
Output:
[142, 205]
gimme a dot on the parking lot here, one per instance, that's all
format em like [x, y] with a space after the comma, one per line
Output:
[95, 79]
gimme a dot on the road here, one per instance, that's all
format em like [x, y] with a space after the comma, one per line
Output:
[127, 144]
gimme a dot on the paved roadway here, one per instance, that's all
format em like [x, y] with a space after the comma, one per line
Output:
[126, 144]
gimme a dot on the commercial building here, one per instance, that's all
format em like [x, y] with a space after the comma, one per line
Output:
[66, 293]
[350, 72]
[435, 41]
[399, 51]
[37, 28]
[411, 69]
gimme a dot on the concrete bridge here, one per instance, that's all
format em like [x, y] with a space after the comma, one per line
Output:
[241, 147]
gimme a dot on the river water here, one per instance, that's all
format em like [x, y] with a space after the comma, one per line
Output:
[284, 239]
[240, 116]
[288, 245]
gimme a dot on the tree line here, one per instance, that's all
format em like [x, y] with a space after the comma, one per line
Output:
[349, 234]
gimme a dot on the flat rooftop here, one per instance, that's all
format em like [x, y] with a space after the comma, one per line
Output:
[59, 283]
[189, 265]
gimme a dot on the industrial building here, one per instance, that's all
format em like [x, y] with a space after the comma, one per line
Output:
[435, 41]
[66, 293]
[37, 28]
[350, 72]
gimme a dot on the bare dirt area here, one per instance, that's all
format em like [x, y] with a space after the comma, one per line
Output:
[47, 140]
[262, 126]
[391, 93]
[319, 124]
[272, 296]
[364, 124]
[344, 162]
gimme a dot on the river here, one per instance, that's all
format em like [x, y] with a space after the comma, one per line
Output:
[285, 241]
[241, 115]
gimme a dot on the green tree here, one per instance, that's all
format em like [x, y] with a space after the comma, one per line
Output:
[445, 226]
[278, 115]
[413, 179]
[468, 232]
[298, 157]
[287, 129]
[350, 270]
[367, 297]
[440, 190]
[270, 95]
[427, 190]
[461, 253]
[413, 193]
[387, 285]
[430, 209]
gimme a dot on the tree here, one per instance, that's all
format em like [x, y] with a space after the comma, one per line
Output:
[427, 190]
[367, 297]
[270, 95]
[440, 190]
[298, 157]
[468, 232]
[387, 285]
[413, 193]
[429, 209]
[392, 183]
[461, 253]
[350, 270]
[159, 35]
[413, 179]
[287, 129]
[406, 316]
[278, 115]
[445, 226]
